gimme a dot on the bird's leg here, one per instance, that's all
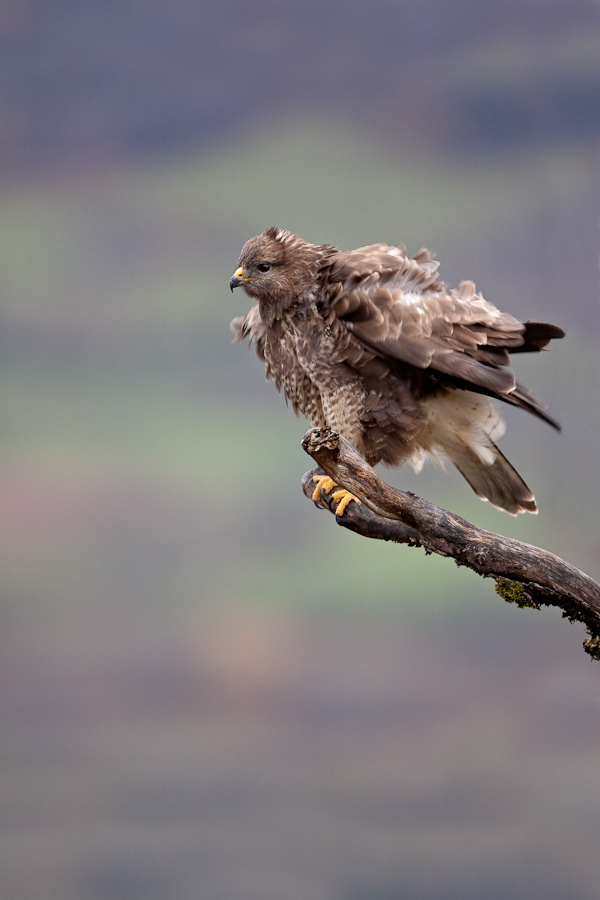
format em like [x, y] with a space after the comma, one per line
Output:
[327, 484]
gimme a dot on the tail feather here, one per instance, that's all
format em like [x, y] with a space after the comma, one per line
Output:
[497, 481]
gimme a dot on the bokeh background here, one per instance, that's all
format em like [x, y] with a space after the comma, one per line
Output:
[207, 689]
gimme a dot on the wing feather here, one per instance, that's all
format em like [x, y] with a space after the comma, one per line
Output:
[250, 326]
[397, 306]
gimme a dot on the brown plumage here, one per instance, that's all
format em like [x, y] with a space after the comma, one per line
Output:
[373, 344]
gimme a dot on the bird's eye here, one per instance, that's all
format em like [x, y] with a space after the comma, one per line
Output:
[263, 267]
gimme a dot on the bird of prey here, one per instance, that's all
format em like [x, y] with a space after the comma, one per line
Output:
[372, 344]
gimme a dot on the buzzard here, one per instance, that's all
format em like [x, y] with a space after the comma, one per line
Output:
[371, 343]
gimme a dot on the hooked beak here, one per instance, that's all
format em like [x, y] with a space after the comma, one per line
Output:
[236, 279]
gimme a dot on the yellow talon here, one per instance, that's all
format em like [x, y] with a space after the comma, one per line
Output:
[325, 483]
[344, 497]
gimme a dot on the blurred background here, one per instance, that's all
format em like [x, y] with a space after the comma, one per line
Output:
[207, 689]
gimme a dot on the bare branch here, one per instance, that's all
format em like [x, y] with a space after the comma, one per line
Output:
[524, 574]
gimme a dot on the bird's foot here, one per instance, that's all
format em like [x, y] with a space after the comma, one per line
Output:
[342, 496]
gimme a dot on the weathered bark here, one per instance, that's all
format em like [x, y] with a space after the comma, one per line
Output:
[524, 574]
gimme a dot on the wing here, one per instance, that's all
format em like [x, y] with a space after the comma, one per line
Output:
[250, 326]
[396, 306]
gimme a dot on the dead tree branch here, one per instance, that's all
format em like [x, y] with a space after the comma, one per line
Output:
[524, 574]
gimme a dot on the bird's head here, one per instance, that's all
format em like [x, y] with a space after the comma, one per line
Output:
[276, 266]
